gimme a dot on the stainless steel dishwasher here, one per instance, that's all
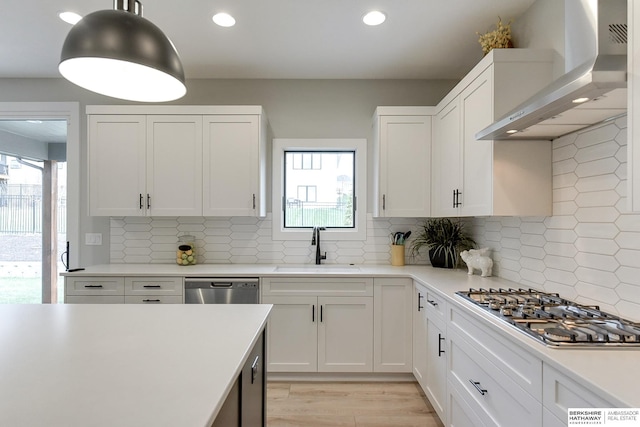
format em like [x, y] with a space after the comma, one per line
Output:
[221, 290]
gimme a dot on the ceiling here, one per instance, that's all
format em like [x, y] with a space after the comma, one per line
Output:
[45, 131]
[279, 39]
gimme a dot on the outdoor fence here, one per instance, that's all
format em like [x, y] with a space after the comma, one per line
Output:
[311, 214]
[22, 214]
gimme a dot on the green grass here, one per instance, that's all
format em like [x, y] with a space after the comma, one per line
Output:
[24, 290]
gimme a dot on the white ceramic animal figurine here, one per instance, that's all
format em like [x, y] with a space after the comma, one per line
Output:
[478, 259]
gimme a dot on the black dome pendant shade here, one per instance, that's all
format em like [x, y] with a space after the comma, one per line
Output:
[119, 53]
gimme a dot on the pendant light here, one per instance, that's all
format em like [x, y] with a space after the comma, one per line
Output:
[119, 53]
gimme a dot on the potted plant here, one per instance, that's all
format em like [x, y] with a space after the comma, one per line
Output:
[444, 239]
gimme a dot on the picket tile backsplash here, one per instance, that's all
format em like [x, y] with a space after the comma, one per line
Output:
[588, 250]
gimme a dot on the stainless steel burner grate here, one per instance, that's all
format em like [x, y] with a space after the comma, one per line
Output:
[556, 321]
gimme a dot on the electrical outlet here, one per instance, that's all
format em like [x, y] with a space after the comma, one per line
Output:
[93, 239]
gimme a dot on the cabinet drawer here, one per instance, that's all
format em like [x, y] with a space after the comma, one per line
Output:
[436, 307]
[490, 392]
[153, 286]
[561, 393]
[94, 286]
[335, 286]
[153, 299]
[520, 366]
[460, 413]
[94, 299]
[550, 420]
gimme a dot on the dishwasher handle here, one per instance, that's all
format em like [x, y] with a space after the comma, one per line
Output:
[219, 282]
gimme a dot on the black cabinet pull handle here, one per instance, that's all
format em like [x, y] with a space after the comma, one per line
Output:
[476, 384]
[254, 369]
[456, 198]
[440, 350]
[420, 296]
[384, 202]
[254, 201]
[313, 313]
[453, 203]
[432, 302]
[140, 200]
[320, 313]
[150, 300]
[148, 201]
[152, 286]
[92, 286]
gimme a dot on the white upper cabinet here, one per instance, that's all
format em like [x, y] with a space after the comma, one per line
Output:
[177, 161]
[234, 177]
[477, 178]
[174, 166]
[117, 165]
[402, 161]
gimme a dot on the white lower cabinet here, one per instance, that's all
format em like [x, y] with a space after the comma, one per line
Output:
[495, 397]
[561, 393]
[436, 384]
[392, 316]
[460, 414]
[420, 335]
[429, 347]
[319, 325]
[123, 290]
[94, 290]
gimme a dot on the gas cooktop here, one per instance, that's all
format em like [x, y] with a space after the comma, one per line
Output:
[556, 321]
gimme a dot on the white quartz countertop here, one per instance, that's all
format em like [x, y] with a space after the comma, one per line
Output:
[121, 365]
[613, 371]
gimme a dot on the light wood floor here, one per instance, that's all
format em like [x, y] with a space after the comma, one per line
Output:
[366, 404]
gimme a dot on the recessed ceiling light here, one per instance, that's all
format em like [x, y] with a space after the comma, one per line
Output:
[375, 17]
[580, 100]
[512, 131]
[70, 17]
[224, 19]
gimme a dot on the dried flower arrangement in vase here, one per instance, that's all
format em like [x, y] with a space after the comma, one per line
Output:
[498, 38]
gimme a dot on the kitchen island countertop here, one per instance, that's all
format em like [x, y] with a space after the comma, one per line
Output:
[122, 365]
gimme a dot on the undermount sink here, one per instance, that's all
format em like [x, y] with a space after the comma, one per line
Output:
[317, 268]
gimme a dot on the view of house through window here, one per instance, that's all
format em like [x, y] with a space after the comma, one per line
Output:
[318, 188]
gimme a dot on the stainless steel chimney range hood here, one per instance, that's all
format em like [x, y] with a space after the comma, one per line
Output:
[592, 92]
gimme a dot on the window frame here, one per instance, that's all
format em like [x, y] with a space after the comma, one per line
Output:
[359, 147]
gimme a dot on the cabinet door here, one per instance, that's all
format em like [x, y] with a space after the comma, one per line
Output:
[117, 162]
[436, 382]
[392, 311]
[231, 165]
[292, 335]
[345, 334]
[477, 113]
[420, 336]
[446, 160]
[252, 390]
[405, 166]
[174, 165]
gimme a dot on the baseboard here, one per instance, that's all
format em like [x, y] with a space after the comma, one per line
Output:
[338, 376]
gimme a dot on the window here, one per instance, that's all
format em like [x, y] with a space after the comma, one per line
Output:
[323, 196]
[319, 182]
